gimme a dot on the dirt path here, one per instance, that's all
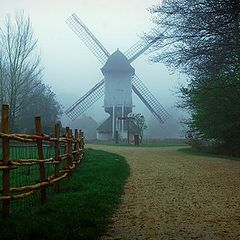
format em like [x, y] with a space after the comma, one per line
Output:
[172, 195]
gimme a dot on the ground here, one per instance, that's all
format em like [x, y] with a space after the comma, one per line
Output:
[173, 195]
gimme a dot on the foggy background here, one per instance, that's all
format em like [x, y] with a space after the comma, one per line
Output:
[71, 69]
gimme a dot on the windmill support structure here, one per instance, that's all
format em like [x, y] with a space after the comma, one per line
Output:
[113, 123]
[122, 121]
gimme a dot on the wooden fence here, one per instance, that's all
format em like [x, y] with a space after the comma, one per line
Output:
[67, 153]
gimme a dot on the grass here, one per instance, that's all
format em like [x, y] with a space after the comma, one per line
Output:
[196, 152]
[145, 143]
[148, 145]
[82, 209]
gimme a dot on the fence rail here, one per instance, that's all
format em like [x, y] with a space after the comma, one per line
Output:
[50, 159]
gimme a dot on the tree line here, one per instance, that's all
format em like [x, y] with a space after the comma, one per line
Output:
[21, 84]
[201, 38]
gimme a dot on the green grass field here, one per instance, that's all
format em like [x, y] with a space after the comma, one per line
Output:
[82, 209]
[27, 151]
[27, 175]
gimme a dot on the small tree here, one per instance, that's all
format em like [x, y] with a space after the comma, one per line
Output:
[139, 120]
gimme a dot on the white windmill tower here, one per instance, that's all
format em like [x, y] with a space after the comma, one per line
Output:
[119, 81]
[118, 74]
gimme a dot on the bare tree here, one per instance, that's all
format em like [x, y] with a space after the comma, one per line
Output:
[2, 77]
[199, 36]
[20, 70]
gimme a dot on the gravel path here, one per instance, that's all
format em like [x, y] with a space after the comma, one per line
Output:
[172, 195]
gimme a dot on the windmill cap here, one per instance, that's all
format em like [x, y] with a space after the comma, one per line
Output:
[117, 62]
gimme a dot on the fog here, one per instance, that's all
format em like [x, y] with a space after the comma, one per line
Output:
[71, 69]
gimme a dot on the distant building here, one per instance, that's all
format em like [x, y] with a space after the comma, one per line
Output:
[88, 125]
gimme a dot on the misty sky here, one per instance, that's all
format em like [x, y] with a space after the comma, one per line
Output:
[69, 67]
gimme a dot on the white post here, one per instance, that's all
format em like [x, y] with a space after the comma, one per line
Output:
[113, 122]
[122, 119]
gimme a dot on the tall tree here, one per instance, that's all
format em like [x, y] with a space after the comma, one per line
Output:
[202, 39]
[21, 70]
[21, 73]
[42, 102]
[3, 76]
[198, 36]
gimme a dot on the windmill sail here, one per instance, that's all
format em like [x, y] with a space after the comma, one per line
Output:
[86, 101]
[137, 49]
[88, 38]
[143, 44]
[149, 100]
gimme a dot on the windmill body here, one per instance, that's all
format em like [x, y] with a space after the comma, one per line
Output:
[118, 83]
[118, 74]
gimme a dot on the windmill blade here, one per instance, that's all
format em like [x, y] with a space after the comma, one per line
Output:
[149, 100]
[88, 38]
[86, 101]
[137, 49]
[143, 44]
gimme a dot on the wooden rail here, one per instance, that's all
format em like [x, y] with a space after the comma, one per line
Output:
[73, 155]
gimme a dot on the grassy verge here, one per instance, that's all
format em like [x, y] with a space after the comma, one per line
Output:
[197, 152]
[144, 145]
[82, 210]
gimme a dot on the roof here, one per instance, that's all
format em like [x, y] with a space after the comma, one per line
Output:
[117, 62]
[106, 126]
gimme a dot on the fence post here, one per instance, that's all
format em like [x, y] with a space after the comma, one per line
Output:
[76, 146]
[66, 146]
[69, 147]
[5, 161]
[66, 136]
[38, 131]
[57, 155]
[70, 157]
[81, 139]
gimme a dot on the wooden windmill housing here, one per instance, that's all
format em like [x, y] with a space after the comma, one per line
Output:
[118, 74]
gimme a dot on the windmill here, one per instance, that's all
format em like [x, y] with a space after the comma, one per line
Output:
[117, 85]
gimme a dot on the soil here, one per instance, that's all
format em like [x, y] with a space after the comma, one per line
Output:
[173, 195]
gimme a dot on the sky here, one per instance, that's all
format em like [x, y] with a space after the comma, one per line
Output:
[71, 69]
